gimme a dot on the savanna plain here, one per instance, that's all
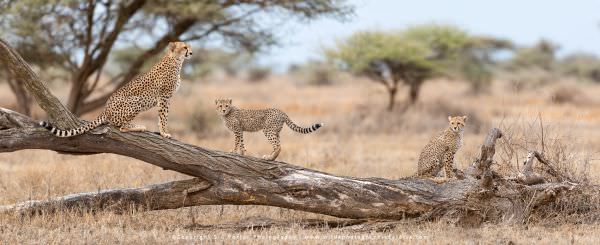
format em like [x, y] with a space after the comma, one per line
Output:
[360, 138]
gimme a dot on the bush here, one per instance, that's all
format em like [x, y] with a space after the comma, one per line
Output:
[478, 75]
[320, 75]
[582, 66]
[314, 73]
[540, 56]
[426, 118]
[257, 74]
[559, 148]
[566, 94]
[202, 121]
[528, 78]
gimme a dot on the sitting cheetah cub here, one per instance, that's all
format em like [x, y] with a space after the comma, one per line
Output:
[440, 150]
[270, 121]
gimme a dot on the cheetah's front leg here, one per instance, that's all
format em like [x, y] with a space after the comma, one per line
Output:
[163, 113]
[448, 161]
[239, 143]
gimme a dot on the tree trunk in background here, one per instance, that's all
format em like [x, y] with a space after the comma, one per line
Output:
[413, 92]
[392, 91]
[24, 100]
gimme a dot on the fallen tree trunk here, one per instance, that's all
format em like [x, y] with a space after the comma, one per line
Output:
[225, 178]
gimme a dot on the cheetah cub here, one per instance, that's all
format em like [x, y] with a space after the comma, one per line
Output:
[440, 150]
[270, 121]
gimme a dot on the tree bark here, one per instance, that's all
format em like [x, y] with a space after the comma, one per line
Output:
[226, 178]
[392, 91]
[178, 29]
[413, 92]
[24, 101]
[90, 65]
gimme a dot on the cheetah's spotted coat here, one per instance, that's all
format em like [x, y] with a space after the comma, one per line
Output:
[270, 121]
[440, 150]
[142, 93]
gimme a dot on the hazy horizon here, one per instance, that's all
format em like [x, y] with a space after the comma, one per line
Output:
[573, 25]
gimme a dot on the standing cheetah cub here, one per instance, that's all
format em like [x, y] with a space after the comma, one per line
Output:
[270, 121]
[440, 150]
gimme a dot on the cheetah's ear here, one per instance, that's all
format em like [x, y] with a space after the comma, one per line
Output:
[449, 118]
[464, 118]
[216, 101]
[229, 100]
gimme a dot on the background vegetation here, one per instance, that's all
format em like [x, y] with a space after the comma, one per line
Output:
[381, 95]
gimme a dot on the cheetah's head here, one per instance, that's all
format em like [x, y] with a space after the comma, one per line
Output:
[223, 106]
[457, 123]
[180, 49]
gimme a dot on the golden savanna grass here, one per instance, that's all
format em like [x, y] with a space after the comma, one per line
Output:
[360, 139]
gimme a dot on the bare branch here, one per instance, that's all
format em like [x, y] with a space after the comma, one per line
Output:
[23, 73]
[134, 69]
[92, 64]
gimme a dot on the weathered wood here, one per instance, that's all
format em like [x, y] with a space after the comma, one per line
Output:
[21, 71]
[482, 164]
[225, 178]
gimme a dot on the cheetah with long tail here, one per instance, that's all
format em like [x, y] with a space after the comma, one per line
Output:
[270, 121]
[140, 94]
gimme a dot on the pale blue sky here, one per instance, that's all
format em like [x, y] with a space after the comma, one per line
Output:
[573, 24]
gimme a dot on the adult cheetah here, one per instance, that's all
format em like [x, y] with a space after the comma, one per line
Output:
[440, 150]
[270, 121]
[142, 93]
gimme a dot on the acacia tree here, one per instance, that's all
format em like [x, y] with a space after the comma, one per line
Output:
[410, 56]
[476, 62]
[541, 55]
[79, 36]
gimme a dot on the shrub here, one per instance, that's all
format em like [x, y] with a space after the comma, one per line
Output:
[582, 66]
[314, 73]
[257, 74]
[558, 147]
[202, 121]
[426, 118]
[320, 75]
[566, 94]
[541, 55]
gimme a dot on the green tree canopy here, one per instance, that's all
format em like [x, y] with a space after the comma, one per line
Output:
[79, 35]
[540, 55]
[410, 56]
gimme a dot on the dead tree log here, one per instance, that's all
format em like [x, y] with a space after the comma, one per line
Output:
[224, 178]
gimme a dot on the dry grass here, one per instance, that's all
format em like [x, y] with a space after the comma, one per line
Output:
[375, 143]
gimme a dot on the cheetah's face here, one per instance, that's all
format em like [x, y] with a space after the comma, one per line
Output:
[180, 49]
[457, 123]
[223, 106]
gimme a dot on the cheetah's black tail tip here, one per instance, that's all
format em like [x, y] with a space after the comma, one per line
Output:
[46, 125]
[312, 128]
[317, 126]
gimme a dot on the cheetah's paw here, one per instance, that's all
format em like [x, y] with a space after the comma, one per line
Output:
[268, 157]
